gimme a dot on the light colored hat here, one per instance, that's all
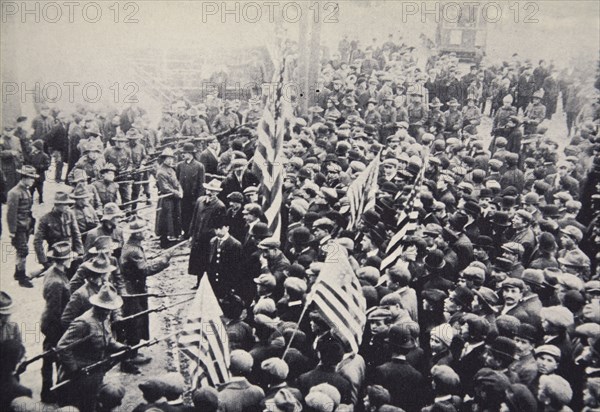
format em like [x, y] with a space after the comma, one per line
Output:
[107, 298]
[214, 185]
[275, 367]
[558, 316]
[444, 333]
[240, 362]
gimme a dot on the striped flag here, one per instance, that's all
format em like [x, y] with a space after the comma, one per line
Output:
[362, 192]
[268, 161]
[337, 294]
[204, 339]
[407, 222]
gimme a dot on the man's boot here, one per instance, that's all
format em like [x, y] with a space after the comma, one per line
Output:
[23, 279]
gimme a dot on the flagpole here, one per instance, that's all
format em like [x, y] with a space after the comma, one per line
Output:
[296, 329]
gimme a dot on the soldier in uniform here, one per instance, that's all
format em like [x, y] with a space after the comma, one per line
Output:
[120, 157]
[535, 113]
[138, 154]
[503, 114]
[106, 188]
[11, 156]
[349, 107]
[20, 221]
[471, 115]
[58, 225]
[225, 121]
[85, 215]
[417, 112]
[388, 116]
[454, 119]
[41, 162]
[372, 116]
[135, 268]
[168, 218]
[93, 330]
[108, 227]
[56, 294]
[436, 121]
[91, 162]
[194, 125]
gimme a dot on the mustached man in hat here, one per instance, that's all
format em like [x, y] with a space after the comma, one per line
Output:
[168, 218]
[95, 326]
[56, 294]
[239, 179]
[58, 225]
[191, 175]
[20, 221]
[208, 210]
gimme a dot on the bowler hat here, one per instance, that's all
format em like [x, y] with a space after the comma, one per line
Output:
[435, 260]
[236, 197]
[400, 336]
[189, 148]
[300, 236]
[260, 230]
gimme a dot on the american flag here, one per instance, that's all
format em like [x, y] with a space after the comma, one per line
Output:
[269, 159]
[407, 222]
[338, 296]
[204, 339]
[362, 192]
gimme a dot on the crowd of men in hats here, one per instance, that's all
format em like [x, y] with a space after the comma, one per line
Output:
[493, 304]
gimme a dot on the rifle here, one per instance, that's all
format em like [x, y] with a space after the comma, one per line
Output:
[157, 295]
[176, 246]
[112, 359]
[131, 202]
[23, 366]
[135, 172]
[161, 308]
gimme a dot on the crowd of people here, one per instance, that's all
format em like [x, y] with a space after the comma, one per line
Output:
[493, 304]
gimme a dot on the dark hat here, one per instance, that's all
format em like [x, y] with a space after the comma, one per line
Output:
[371, 218]
[300, 236]
[472, 208]
[236, 197]
[520, 398]
[507, 325]
[463, 296]
[528, 332]
[38, 144]
[502, 265]
[533, 277]
[546, 242]
[550, 211]
[189, 148]
[501, 219]
[457, 221]
[487, 297]
[6, 303]
[206, 399]
[434, 260]
[400, 336]
[503, 346]
[109, 167]
[107, 297]
[434, 295]
[484, 242]
[152, 389]
[260, 230]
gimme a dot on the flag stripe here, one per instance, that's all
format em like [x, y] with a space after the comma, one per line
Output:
[204, 340]
[362, 192]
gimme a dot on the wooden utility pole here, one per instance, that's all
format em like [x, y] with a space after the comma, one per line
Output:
[309, 49]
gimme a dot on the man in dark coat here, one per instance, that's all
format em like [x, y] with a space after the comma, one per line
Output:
[208, 210]
[401, 379]
[210, 156]
[224, 262]
[190, 173]
[239, 179]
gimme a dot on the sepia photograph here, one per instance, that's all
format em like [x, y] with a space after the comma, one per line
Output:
[300, 206]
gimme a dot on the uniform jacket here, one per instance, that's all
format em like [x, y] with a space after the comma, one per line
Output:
[91, 168]
[168, 220]
[135, 267]
[18, 211]
[79, 302]
[116, 235]
[56, 227]
[56, 294]
[86, 218]
[120, 158]
[107, 193]
[96, 347]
